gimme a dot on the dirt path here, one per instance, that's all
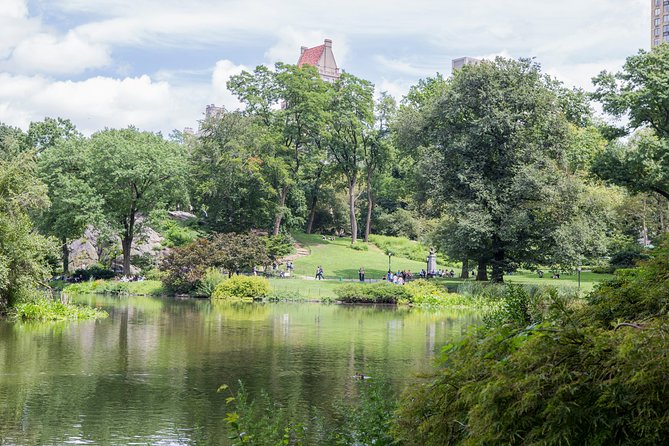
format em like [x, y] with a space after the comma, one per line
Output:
[300, 251]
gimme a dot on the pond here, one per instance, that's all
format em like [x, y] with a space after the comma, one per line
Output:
[148, 374]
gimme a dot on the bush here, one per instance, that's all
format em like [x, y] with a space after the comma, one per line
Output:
[359, 246]
[426, 293]
[242, 287]
[549, 371]
[627, 259]
[45, 309]
[379, 293]
[94, 272]
[208, 283]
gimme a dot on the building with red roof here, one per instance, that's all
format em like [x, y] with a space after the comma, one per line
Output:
[322, 58]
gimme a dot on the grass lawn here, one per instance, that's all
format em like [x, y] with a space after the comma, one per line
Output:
[339, 260]
[311, 289]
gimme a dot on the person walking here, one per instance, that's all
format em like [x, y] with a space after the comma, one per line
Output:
[319, 273]
[361, 273]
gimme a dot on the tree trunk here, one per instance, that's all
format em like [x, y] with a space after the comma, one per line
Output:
[465, 268]
[66, 256]
[497, 261]
[351, 210]
[126, 242]
[312, 214]
[482, 273]
[279, 213]
[370, 205]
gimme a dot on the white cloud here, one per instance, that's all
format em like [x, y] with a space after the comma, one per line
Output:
[220, 95]
[404, 67]
[92, 104]
[47, 53]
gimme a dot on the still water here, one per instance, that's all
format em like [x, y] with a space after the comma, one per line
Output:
[148, 374]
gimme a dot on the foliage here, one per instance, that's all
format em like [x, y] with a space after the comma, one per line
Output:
[359, 247]
[261, 421]
[186, 266]
[378, 293]
[45, 309]
[627, 258]
[637, 92]
[24, 254]
[242, 287]
[231, 178]
[206, 286]
[279, 246]
[175, 233]
[428, 293]
[133, 173]
[142, 288]
[549, 370]
[94, 272]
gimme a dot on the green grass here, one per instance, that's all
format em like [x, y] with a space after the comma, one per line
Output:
[53, 310]
[307, 289]
[340, 261]
[144, 288]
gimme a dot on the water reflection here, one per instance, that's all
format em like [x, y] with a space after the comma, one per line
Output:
[149, 372]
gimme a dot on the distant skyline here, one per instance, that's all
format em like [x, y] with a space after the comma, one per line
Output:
[156, 64]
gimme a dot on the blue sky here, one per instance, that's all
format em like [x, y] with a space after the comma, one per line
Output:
[157, 63]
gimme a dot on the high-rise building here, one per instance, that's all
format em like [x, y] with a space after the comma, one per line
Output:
[659, 25]
[456, 64]
[322, 58]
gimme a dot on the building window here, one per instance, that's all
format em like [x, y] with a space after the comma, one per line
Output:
[657, 32]
[657, 42]
[657, 11]
[666, 38]
[666, 19]
[657, 22]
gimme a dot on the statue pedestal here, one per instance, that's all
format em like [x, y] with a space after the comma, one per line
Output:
[432, 264]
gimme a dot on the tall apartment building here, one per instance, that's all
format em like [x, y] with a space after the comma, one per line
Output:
[322, 58]
[460, 62]
[659, 29]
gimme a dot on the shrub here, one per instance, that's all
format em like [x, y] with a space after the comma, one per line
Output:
[359, 246]
[382, 292]
[45, 309]
[627, 259]
[426, 293]
[212, 277]
[549, 371]
[242, 287]
[94, 272]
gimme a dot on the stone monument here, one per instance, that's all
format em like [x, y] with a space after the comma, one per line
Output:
[431, 263]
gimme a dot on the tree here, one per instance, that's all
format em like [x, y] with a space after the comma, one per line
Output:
[229, 171]
[65, 169]
[638, 92]
[24, 253]
[240, 251]
[376, 151]
[498, 130]
[291, 103]
[45, 134]
[134, 173]
[12, 142]
[352, 134]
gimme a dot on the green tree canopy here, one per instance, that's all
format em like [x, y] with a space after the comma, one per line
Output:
[133, 173]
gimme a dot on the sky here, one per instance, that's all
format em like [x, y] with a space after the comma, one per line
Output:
[156, 64]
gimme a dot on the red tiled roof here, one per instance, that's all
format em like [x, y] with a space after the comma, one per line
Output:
[311, 56]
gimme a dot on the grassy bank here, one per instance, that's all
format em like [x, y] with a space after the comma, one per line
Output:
[144, 288]
[45, 309]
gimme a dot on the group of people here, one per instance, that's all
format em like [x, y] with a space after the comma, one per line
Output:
[277, 266]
